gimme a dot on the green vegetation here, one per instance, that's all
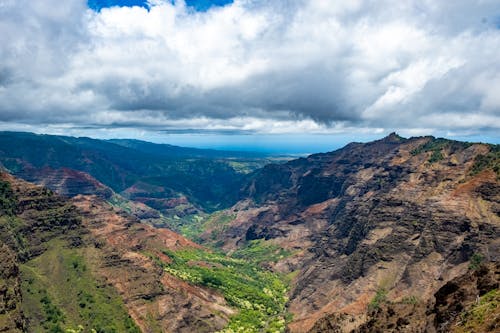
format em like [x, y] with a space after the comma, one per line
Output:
[475, 261]
[192, 226]
[246, 166]
[431, 145]
[259, 295]
[488, 161]
[7, 199]
[53, 315]
[120, 202]
[410, 300]
[437, 146]
[79, 329]
[260, 251]
[60, 292]
[146, 214]
[379, 298]
[10, 233]
[482, 316]
[436, 156]
[207, 178]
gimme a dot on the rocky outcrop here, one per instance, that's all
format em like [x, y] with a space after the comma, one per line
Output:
[120, 252]
[11, 315]
[128, 250]
[67, 182]
[30, 216]
[454, 300]
[36, 216]
[450, 310]
[403, 216]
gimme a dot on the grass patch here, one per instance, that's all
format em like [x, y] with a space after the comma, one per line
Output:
[260, 251]
[412, 300]
[260, 296]
[437, 146]
[11, 233]
[482, 314]
[60, 292]
[246, 166]
[194, 225]
[436, 156]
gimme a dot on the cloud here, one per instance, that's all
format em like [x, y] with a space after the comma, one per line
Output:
[253, 66]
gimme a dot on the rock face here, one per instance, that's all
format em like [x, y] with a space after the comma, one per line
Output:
[156, 300]
[46, 240]
[67, 182]
[398, 217]
[11, 316]
[451, 309]
[29, 216]
[467, 303]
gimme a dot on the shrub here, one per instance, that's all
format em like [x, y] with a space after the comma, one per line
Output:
[410, 300]
[379, 298]
[488, 161]
[475, 261]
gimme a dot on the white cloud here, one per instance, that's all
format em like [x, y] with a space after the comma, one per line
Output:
[260, 66]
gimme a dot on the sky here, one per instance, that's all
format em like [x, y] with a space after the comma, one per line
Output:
[276, 75]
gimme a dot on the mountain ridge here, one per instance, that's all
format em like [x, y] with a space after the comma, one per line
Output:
[209, 183]
[374, 236]
[164, 149]
[357, 220]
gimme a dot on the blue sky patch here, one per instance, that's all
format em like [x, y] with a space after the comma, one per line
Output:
[204, 5]
[99, 4]
[199, 5]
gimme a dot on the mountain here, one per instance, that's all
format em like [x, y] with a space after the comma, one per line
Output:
[42, 245]
[71, 263]
[176, 151]
[156, 175]
[394, 235]
[386, 222]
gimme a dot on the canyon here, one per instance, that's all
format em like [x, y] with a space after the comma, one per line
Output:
[394, 235]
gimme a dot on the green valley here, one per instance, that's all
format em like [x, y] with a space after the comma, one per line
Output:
[260, 296]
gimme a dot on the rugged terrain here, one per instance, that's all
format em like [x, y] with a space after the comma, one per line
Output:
[467, 303]
[395, 235]
[162, 176]
[67, 264]
[392, 220]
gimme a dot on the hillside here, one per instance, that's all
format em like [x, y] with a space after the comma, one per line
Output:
[395, 235]
[47, 279]
[67, 264]
[387, 221]
[161, 176]
[172, 151]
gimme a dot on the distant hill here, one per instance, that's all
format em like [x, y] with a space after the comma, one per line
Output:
[172, 151]
[209, 179]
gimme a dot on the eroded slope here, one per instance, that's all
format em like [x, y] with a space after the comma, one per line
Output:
[395, 217]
